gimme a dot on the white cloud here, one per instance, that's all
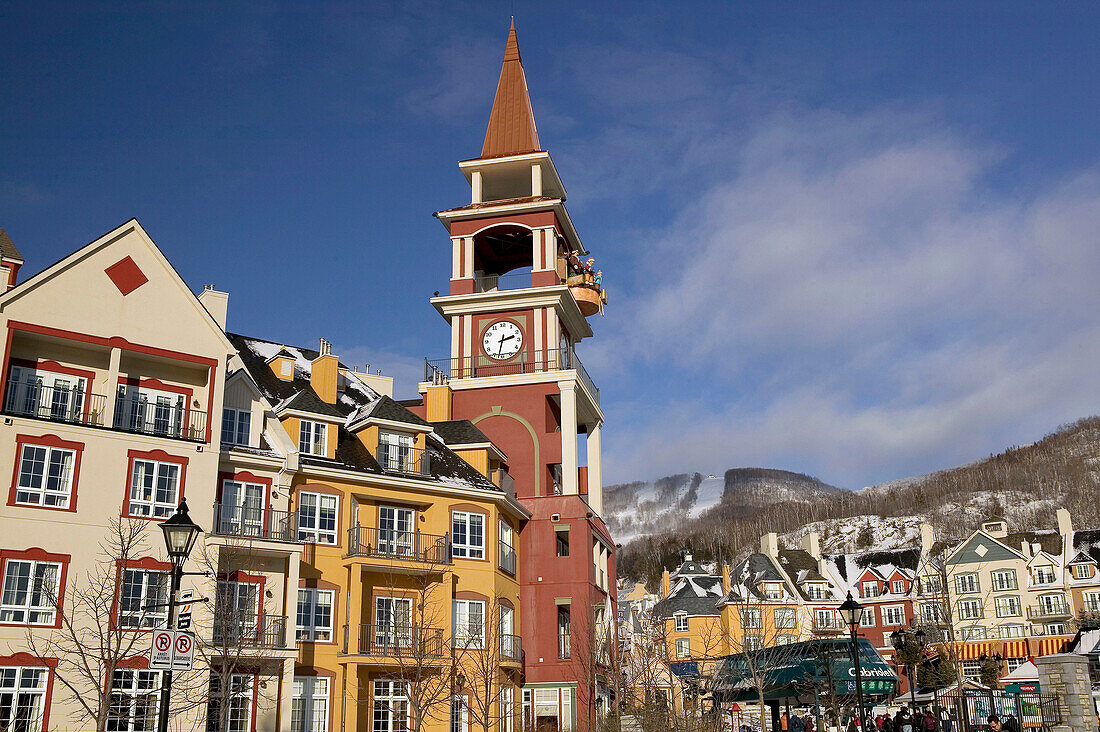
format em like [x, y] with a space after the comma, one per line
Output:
[856, 299]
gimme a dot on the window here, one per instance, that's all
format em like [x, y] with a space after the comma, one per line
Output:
[507, 709]
[930, 585]
[236, 426]
[317, 518]
[150, 411]
[898, 587]
[469, 623]
[785, 639]
[1044, 575]
[870, 589]
[395, 531]
[315, 614]
[893, 615]
[751, 617]
[815, 591]
[972, 669]
[506, 548]
[1053, 605]
[45, 394]
[683, 647]
[824, 618]
[30, 592]
[309, 705]
[867, 619]
[1012, 631]
[1056, 628]
[967, 583]
[1003, 579]
[753, 643]
[46, 476]
[1082, 571]
[391, 707]
[563, 631]
[135, 700]
[236, 611]
[154, 489]
[1092, 602]
[1008, 606]
[237, 716]
[1014, 663]
[970, 609]
[681, 622]
[785, 617]
[973, 632]
[395, 452]
[468, 534]
[561, 542]
[22, 698]
[931, 613]
[773, 591]
[393, 622]
[460, 721]
[241, 511]
[143, 599]
[311, 437]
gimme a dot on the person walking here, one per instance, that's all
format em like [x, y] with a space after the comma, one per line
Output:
[795, 723]
[902, 721]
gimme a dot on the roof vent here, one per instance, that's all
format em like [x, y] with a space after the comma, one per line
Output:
[326, 347]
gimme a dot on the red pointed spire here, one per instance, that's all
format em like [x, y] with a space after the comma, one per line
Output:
[511, 123]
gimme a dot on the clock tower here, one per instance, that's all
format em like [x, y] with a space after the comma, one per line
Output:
[522, 291]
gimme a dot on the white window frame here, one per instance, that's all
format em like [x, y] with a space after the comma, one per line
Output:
[143, 616]
[1012, 630]
[19, 684]
[466, 632]
[752, 642]
[234, 422]
[870, 588]
[389, 700]
[51, 486]
[242, 509]
[898, 587]
[312, 437]
[145, 496]
[29, 601]
[1053, 602]
[1002, 604]
[974, 632]
[815, 591]
[314, 531]
[1081, 571]
[971, 669]
[460, 714]
[683, 648]
[1003, 580]
[825, 618]
[785, 617]
[966, 609]
[309, 704]
[241, 698]
[25, 395]
[1058, 628]
[898, 611]
[1045, 575]
[681, 622]
[466, 548]
[135, 699]
[867, 617]
[931, 612]
[507, 706]
[751, 617]
[1091, 601]
[310, 601]
[967, 583]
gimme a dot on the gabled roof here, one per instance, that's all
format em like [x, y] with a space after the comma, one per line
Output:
[460, 432]
[1049, 541]
[386, 408]
[511, 129]
[1088, 542]
[691, 595]
[8, 250]
[689, 568]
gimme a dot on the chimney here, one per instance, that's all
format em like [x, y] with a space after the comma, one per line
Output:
[437, 403]
[769, 544]
[725, 579]
[324, 373]
[1065, 528]
[811, 542]
[216, 303]
[666, 588]
[687, 556]
[1025, 548]
[927, 539]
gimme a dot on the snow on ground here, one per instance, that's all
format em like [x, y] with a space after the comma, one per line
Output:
[842, 535]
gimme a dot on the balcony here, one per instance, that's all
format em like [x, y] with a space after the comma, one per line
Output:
[160, 418]
[396, 641]
[268, 633]
[403, 460]
[506, 556]
[1048, 611]
[394, 547]
[503, 480]
[511, 649]
[441, 371]
[496, 283]
[255, 523]
[827, 625]
[55, 404]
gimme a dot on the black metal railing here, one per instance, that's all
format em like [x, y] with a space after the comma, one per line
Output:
[401, 459]
[267, 631]
[255, 523]
[506, 556]
[402, 641]
[1053, 610]
[442, 370]
[54, 403]
[135, 413]
[392, 544]
[511, 649]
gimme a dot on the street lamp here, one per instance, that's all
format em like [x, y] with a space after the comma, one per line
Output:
[180, 534]
[900, 639]
[852, 612]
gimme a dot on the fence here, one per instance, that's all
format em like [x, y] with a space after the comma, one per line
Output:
[972, 707]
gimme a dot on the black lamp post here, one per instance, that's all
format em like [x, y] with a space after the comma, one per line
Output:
[180, 534]
[900, 639]
[852, 612]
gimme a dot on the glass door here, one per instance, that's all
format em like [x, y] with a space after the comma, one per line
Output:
[242, 509]
[395, 531]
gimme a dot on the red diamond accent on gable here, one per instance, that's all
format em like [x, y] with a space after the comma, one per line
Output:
[126, 275]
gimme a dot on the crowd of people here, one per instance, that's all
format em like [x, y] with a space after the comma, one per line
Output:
[905, 720]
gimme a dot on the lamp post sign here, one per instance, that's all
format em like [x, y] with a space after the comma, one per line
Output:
[172, 650]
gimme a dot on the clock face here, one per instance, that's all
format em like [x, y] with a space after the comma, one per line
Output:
[502, 340]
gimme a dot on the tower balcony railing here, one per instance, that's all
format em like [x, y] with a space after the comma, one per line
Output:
[443, 370]
[495, 283]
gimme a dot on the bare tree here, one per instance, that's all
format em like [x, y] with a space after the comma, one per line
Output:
[91, 643]
[488, 665]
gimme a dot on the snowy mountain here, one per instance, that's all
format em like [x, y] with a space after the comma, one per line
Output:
[673, 502]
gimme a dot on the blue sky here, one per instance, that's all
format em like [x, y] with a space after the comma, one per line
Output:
[855, 240]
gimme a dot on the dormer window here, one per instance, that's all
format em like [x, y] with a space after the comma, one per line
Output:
[1082, 571]
[311, 437]
[898, 587]
[870, 589]
[773, 591]
[1044, 575]
[815, 591]
[236, 426]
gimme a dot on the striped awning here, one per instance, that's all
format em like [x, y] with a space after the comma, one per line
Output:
[1014, 647]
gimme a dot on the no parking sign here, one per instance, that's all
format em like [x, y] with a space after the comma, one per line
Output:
[172, 650]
